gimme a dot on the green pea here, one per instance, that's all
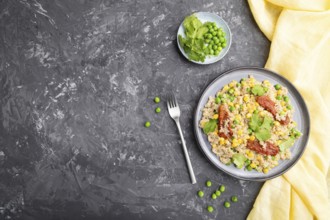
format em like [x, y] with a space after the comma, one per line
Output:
[289, 107]
[209, 36]
[231, 91]
[273, 157]
[200, 193]
[231, 108]
[157, 110]
[282, 113]
[211, 51]
[217, 100]
[217, 41]
[215, 47]
[248, 90]
[218, 193]
[278, 86]
[207, 40]
[157, 99]
[234, 198]
[238, 85]
[249, 131]
[214, 196]
[285, 98]
[279, 97]
[231, 98]
[227, 204]
[223, 45]
[208, 183]
[247, 162]
[215, 28]
[235, 122]
[214, 33]
[249, 168]
[222, 188]
[265, 89]
[222, 39]
[147, 124]
[210, 208]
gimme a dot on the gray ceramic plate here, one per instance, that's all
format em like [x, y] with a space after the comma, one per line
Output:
[301, 116]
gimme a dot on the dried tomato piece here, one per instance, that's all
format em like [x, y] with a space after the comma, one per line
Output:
[223, 116]
[286, 121]
[270, 149]
[265, 102]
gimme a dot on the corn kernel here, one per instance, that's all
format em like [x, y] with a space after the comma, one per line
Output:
[262, 113]
[259, 157]
[238, 117]
[248, 115]
[247, 151]
[236, 93]
[246, 98]
[240, 132]
[276, 123]
[252, 138]
[222, 141]
[251, 110]
[232, 84]
[279, 92]
[237, 106]
[250, 155]
[225, 88]
[265, 170]
[278, 142]
[284, 109]
[230, 104]
[214, 145]
[283, 103]
[253, 165]
[234, 143]
[240, 141]
[243, 84]
[257, 104]
[215, 116]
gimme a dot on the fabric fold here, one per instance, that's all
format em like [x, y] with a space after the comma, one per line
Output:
[300, 51]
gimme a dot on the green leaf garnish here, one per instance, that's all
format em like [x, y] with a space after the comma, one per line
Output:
[258, 90]
[239, 160]
[287, 144]
[261, 127]
[210, 126]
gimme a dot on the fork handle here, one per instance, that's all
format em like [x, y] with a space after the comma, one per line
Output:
[185, 151]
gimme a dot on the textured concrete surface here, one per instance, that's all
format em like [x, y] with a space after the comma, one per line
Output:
[77, 82]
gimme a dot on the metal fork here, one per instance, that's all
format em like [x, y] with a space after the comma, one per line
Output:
[174, 111]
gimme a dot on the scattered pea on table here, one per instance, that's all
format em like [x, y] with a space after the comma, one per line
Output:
[214, 196]
[200, 193]
[222, 188]
[210, 208]
[227, 204]
[208, 183]
[157, 110]
[234, 199]
[157, 99]
[218, 193]
[147, 124]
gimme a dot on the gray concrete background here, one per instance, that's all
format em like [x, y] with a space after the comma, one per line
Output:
[77, 82]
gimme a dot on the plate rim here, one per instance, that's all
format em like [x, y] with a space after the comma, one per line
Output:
[299, 96]
[198, 62]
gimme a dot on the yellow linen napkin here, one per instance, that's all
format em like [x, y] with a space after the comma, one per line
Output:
[300, 51]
